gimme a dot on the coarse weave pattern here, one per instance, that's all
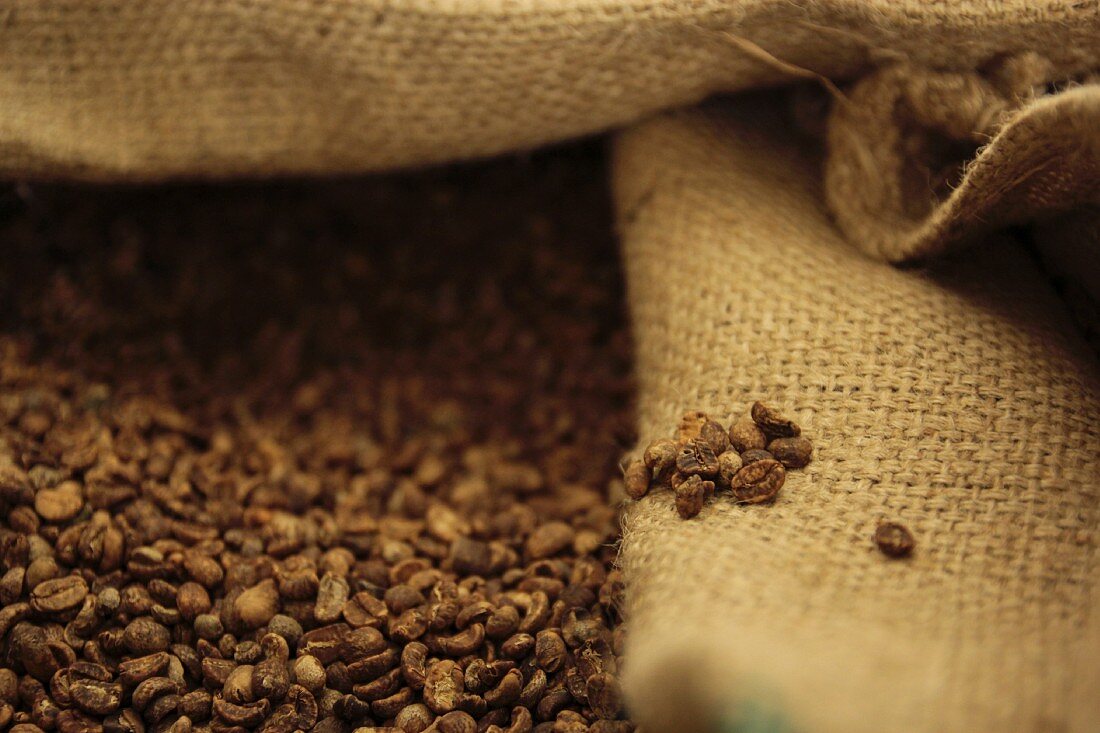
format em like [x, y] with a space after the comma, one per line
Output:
[116, 89]
[957, 400]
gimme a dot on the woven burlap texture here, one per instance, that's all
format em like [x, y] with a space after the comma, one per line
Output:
[1040, 154]
[957, 400]
[116, 89]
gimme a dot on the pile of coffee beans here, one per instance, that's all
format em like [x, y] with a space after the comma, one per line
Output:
[749, 459]
[314, 457]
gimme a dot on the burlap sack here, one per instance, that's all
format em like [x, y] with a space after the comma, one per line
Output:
[958, 400]
[117, 89]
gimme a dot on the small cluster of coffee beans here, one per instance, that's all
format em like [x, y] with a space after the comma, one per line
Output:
[750, 459]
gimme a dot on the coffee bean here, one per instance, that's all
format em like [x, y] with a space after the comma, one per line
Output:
[691, 423]
[258, 604]
[758, 482]
[133, 672]
[697, 458]
[96, 697]
[604, 696]
[332, 594]
[246, 715]
[792, 452]
[691, 495]
[442, 686]
[59, 594]
[894, 540]
[502, 622]
[752, 456]
[144, 636]
[746, 435]
[772, 423]
[363, 609]
[309, 673]
[414, 718]
[636, 480]
[192, 600]
[660, 458]
[715, 436]
[325, 643]
[550, 650]
[729, 463]
[549, 539]
[59, 504]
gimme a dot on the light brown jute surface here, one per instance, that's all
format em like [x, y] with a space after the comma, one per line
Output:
[958, 400]
[116, 89]
[1040, 154]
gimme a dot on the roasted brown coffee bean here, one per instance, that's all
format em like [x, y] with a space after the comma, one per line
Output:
[481, 675]
[502, 623]
[660, 458]
[636, 480]
[696, 457]
[401, 598]
[746, 435]
[384, 686]
[729, 463]
[792, 452]
[309, 673]
[550, 650]
[414, 664]
[691, 423]
[470, 557]
[410, 625]
[192, 600]
[96, 697]
[59, 504]
[125, 721]
[363, 609]
[580, 625]
[304, 705]
[388, 707]
[715, 436]
[773, 423]
[549, 539]
[517, 646]
[331, 597]
[325, 643]
[215, 672]
[507, 691]
[442, 686]
[133, 672]
[604, 696]
[752, 456]
[464, 642]
[362, 642]
[455, 722]
[370, 668]
[691, 495]
[196, 705]
[758, 482]
[255, 606]
[270, 678]
[59, 594]
[246, 716]
[148, 691]
[414, 718]
[553, 702]
[145, 636]
[894, 540]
